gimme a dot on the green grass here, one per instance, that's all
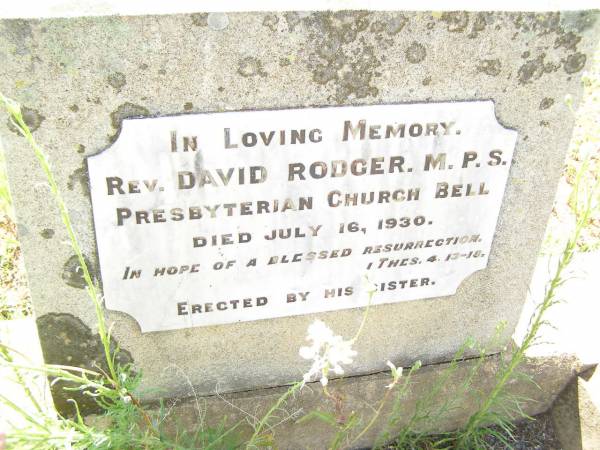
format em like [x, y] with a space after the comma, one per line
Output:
[14, 296]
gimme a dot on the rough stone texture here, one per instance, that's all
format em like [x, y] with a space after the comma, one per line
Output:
[79, 77]
[67, 341]
[362, 394]
[576, 413]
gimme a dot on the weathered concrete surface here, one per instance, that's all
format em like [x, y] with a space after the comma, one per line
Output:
[576, 413]
[79, 77]
[363, 395]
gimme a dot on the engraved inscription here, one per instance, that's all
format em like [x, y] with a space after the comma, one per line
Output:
[207, 219]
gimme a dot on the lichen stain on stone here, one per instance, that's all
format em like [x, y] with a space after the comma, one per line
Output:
[79, 176]
[32, 118]
[540, 23]
[250, 67]
[117, 80]
[74, 108]
[199, 19]
[270, 21]
[533, 69]
[415, 53]
[80, 148]
[293, 19]
[47, 233]
[66, 340]
[578, 20]
[546, 103]
[395, 24]
[457, 21]
[18, 32]
[348, 50]
[125, 111]
[568, 41]
[479, 25]
[72, 272]
[490, 67]
[188, 106]
[574, 63]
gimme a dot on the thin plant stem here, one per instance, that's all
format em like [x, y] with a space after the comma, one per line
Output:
[17, 120]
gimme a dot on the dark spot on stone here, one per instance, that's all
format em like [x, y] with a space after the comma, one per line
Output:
[200, 19]
[220, 89]
[579, 20]
[426, 81]
[117, 80]
[162, 72]
[79, 176]
[546, 103]
[127, 110]
[80, 148]
[479, 25]
[531, 70]
[544, 123]
[47, 233]
[18, 33]
[348, 33]
[430, 25]
[95, 100]
[525, 138]
[44, 30]
[377, 26]
[188, 106]
[62, 64]
[144, 66]
[66, 340]
[250, 67]
[292, 19]
[72, 273]
[396, 23]
[526, 54]
[567, 40]
[32, 118]
[575, 63]
[345, 59]
[283, 62]
[270, 21]
[549, 67]
[457, 21]
[74, 108]
[415, 53]
[539, 23]
[490, 67]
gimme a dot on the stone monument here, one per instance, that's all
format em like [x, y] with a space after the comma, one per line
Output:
[233, 177]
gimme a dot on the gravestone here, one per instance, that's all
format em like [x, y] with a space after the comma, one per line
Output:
[233, 177]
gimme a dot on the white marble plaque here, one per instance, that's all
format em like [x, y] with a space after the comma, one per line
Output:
[215, 218]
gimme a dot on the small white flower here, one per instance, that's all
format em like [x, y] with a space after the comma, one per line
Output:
[327, 352]
[368, 285]
[396, 374]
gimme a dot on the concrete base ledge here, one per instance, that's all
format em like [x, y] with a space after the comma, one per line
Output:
[362, 395]
[576, 413]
